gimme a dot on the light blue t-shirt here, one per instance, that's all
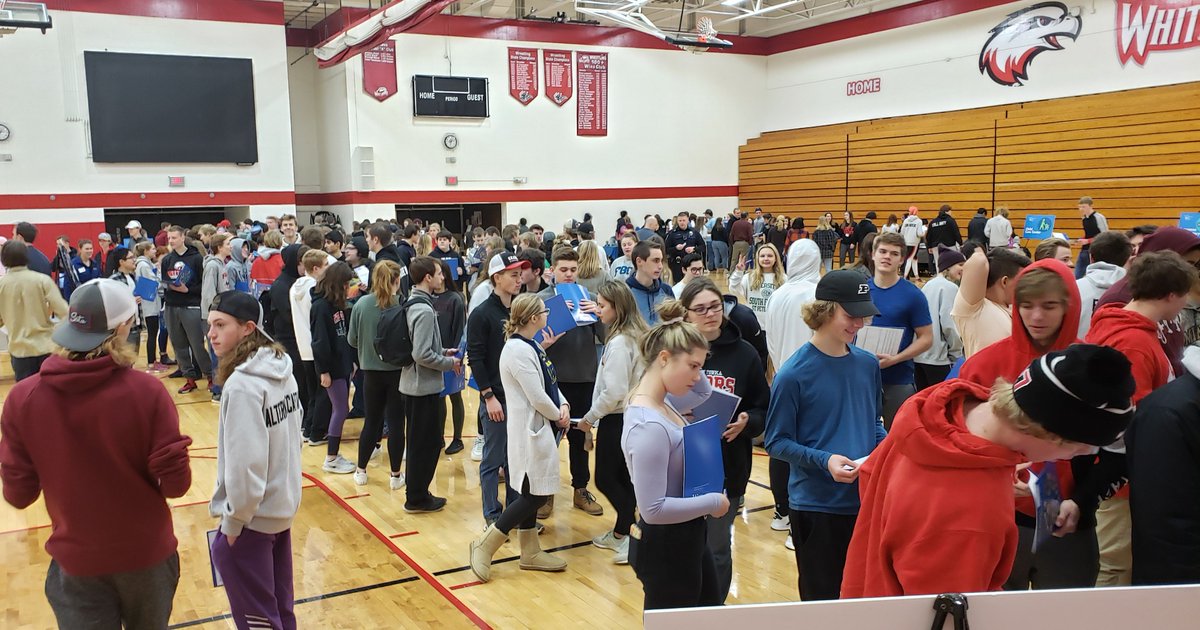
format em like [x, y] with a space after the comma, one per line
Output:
[901, 305]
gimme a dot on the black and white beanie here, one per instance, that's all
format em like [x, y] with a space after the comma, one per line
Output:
[1082, 394]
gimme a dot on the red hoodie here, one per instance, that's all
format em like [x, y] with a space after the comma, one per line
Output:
[1009, 357]
[1137, 338]
[102, 442]
[937, 509]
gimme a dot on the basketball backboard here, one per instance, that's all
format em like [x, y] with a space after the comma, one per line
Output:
[15, 15]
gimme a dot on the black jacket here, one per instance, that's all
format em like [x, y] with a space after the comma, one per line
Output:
[733, 366]
[1163, 447]
[405, 251]
[864, 228]
[850, 238]
[574, 355]
[975, 229]
[451, 316]
[331, 352]
[390, 252]
[747, 323]
[276, 300]
[485, 341]
[452, 257]
[171, 264]
[943, 231]
[687, 238]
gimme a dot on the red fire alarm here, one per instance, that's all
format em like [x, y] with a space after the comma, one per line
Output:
[451, 180]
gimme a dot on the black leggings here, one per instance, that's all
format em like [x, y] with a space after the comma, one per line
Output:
[458, 413]
[612, 474]
[780, 473]
[675, 565]
[382, 402]
[522, 513]
[579, 396]
[152, 340]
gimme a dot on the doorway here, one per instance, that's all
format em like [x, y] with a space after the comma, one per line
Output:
[456, 218]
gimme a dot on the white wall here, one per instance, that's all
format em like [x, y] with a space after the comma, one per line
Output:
[934, 66]
[43, 99]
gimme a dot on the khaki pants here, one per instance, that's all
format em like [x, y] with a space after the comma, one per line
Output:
[740, 248]
[1114, 533]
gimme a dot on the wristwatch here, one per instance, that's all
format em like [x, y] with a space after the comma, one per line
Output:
[488, 395]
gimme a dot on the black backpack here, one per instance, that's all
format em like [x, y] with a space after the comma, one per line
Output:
[393, 339]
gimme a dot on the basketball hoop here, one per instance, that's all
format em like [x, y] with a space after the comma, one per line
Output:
[701, 41]
[15, 15]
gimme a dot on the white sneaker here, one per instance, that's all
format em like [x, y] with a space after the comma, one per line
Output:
[375, 453]
[339, 466]
[477, 450]
[396, 482]
[360, 477]
[788, 543]
[781, 522]
[622, 555]
[608, 541]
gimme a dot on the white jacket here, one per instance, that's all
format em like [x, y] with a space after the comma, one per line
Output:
[618, 373]
[947, 345]
[913, 230]
[301, 296]
[1100, 276]
[531, 413]
[786, 330]
[998, 230]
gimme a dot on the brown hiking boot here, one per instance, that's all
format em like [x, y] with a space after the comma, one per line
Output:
[546, 509]
[586, 502]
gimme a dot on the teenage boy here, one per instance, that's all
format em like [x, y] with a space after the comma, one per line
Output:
[422, 382]
[1055, 248]
[379, 240]
[533, 277]
[648, 288]
[26, 232]
[27, 301]
[1159, 283]
[485, 341]
[1094, 224]
[575, 360]
[1109, 253]
[901, 305]
[681, 241]
[822, 433]
[333, 245]
[933, 365]
[216, 280]
[291, 233]
[943, 234]
[445, 251]
[318, 408]
[982, 308]
[976, 226]
[183, 278]
[693, 267]
[407, 245]
[937, 502]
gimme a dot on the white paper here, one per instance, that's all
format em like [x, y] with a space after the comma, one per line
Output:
[879, 339]
[861, 460]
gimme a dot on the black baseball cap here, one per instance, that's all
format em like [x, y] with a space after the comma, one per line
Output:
[241, 306]
[850, 290]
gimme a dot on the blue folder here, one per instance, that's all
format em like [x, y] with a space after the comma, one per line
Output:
[453, 383]
[703, 468]
[146, 288]
[560, 319]
[575, 294]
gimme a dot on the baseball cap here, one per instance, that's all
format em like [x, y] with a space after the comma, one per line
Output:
[133, 225]
[504, 261]
[98, 307]
[104, 236]
[241, 306]
[850, 290]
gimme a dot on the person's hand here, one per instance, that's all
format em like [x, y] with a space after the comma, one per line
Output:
[138, 299]
[842, 469]
[886, 361]
[457, 365]
[1068, 518]
[689, 249]
[564, 416]
[741, 266]
[326, 381]
[181, 288]
[1021, 488]
[548, 341]
[450, 352]
[570, 305]
[722, 506]
[588, 306]
[679, 246]
[231, 540]
[735, 428]
[494, 411]
[584, 426]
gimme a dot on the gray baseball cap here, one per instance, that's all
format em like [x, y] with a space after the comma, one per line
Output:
[97, 308]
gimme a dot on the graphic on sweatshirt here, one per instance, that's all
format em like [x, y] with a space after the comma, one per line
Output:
[720, 381]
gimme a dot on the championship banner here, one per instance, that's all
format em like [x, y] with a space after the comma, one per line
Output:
[591, 113]
[379, 71]
[559, 87]
[523, 74]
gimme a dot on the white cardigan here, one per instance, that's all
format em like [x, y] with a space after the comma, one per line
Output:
[531, 413]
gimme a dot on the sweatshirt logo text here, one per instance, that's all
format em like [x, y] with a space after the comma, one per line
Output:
[278, 412]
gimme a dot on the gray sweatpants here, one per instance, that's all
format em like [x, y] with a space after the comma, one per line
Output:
[186, 329]
[138, 599]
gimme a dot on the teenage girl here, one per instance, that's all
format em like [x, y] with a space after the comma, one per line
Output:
[622, 267]
[333, 357]
[756, 287]
[669, 552]
[616, 377]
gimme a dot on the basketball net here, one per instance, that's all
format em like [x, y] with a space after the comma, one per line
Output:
[704, 30]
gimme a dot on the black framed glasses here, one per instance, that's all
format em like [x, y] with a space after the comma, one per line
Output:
[705, 310]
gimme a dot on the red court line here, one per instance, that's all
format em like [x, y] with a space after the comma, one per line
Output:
[403, 534]
[29, 529]
[755, 452]
[425, 575]
[356, 496]
[465, 585]
[214, 456]
[179, 505]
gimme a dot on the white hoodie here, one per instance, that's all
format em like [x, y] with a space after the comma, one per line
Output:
[785, 327]
[258, 447]
[301, 295]
[1100, 276]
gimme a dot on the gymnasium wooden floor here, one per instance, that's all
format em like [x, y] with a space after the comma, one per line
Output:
[361, 561]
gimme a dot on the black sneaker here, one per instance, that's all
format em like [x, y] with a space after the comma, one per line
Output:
[430, 504]
[317, 441]
[176, 374]
[166, 360]
[456, 446]
[355, 413]
[216, 397]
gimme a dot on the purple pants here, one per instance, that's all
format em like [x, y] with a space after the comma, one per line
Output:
[339, 396]
[257, 571]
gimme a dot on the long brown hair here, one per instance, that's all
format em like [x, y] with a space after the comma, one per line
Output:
[383, 276]
[332, 285]
[628, 320]
[242, 352]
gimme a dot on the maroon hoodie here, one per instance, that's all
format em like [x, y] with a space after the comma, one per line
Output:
[1170, 332]
[102, 442]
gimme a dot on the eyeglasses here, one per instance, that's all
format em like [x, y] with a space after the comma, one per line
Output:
[706, 310]
[545, 311]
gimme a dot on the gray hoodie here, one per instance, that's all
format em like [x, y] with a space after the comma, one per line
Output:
[1100, 276]
[215, 281]
[237, 268]
[258, 447]
[424, 376]
[145, 269]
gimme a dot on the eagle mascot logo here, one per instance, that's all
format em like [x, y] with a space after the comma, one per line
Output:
[1022, 36]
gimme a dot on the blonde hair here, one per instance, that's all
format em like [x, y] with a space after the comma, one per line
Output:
[424, 245]
[530, 240]
[525, 307]
[818, 313]
[1002, 211]
[383, 276]
[273, 239]
[589, 260]
[1040, 283]
[756, 275]
[1004, 406]
[115, 346]
[313, 259]
[243, 351]
[823, 223]
[673, 334]
[628, 319]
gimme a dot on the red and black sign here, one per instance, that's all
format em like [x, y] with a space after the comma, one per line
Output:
[523, 74]
[1023, 35]
[379, 71]
[591, 108]
[559, 86]
[1144, 26]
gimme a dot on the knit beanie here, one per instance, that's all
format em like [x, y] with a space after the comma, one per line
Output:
[947, 258]
[1082, 394]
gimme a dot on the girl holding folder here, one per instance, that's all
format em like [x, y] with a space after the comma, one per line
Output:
[669, 550]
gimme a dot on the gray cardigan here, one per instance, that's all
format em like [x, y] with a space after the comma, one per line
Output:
[424, 376]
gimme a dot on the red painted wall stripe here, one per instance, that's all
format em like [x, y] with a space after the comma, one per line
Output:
[151, 200]
[242, 11]
[500, 196]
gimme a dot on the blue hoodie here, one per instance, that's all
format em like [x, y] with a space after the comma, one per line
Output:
[649, 298]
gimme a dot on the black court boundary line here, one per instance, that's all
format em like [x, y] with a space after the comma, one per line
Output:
[307, 600]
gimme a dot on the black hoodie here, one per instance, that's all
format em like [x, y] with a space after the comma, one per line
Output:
[276, 301]
[172, 263]
[332, 353]
[943, 231]
[733, 367]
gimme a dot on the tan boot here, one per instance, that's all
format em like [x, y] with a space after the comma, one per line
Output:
[482, 550]
[546, 509]
[532, 556]
[586, 502]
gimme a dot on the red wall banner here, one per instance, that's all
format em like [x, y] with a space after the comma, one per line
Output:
[559, 86]
[523, 74]
[379, 71]
[591, 107]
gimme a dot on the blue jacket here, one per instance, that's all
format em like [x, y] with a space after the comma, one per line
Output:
[649, 298]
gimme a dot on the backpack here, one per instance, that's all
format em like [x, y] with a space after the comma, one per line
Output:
[393, 340]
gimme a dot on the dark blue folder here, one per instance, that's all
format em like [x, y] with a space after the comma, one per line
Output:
[703, 468]
[559, 320]
[146, 288]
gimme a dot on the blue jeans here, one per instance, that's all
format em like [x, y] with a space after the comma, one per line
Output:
[495, 457]
[720, 255]
[1081, 263]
